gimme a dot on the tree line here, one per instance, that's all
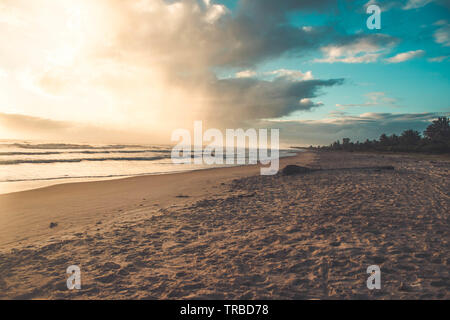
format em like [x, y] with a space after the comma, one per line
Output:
[435, 139]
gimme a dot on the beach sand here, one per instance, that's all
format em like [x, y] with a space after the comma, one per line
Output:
[230, 233]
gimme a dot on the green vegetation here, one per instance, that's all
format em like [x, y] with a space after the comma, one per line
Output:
[435, 139]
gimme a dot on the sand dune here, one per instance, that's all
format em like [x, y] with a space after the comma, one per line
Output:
[232, 234]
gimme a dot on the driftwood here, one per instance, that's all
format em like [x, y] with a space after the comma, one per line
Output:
[291, 169]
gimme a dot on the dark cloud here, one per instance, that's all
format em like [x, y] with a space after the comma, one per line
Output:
[253, 99]
[261, 27]
[365, 126]
[262, 31]
[278, 9]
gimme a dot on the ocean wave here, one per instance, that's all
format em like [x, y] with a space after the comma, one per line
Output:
[41, 161]
[28, 153]
[19, 153]
[90, 177]
[67, 146]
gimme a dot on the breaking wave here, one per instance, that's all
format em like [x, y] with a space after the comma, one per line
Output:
[35, 161]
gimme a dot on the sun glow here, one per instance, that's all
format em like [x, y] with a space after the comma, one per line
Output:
[72, 62]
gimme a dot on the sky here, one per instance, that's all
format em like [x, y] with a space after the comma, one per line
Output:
[113, 71]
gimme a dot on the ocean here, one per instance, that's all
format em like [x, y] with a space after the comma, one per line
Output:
[26, 165]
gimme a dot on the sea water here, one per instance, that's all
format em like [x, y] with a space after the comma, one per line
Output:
[28, 165]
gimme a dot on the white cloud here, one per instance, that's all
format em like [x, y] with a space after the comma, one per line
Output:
[287, 74]
[215, 12]
[308, 103]
[438, 59]
[246, 74]
[405, 56]
[363, 50]
[414, 4]
[442, 34]
[404, 5]
[373, 99]
[383, 6]
[294, 75]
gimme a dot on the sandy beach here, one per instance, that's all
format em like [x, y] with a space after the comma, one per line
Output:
[230, 233]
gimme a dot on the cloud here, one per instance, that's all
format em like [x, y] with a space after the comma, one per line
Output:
[19, 122]
[292, 74]
[341, 125]
[309, 104]
[257, 31]
[373, 99]
[288, 74]
[149, 64]
[386, 5]
[245, 100]
[214, 11]
[442, 34]
[268, 9]
[246, 74]
[361, 49]
[136, 64]
[19, 126]
[405, 56]
[337, 113]
[438, 59]
[414, 4]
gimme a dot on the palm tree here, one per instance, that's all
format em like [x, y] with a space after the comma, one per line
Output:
[384, 140]
[410, 137]
[439, 130]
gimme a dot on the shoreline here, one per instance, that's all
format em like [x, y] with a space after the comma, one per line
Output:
[30, 212]
[34, 184]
